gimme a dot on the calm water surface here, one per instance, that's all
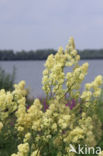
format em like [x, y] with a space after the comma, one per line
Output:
[31, 72]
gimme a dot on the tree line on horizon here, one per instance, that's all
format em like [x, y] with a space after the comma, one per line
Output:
[43, 54]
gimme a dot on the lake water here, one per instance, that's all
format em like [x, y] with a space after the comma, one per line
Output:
[31, 72]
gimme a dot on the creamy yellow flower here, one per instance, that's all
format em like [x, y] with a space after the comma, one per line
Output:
[1, 126]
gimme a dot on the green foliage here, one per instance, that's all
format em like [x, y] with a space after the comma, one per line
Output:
[7, 79]
[8, 141]
[100, 107]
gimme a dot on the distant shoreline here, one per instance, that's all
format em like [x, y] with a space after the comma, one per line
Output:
[38, 55]
[45, 60]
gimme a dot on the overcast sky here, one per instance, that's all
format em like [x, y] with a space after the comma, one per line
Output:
[39, 24]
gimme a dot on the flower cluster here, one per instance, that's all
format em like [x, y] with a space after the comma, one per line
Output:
[23, 150]
[51, 132]
[54, 76]
[28, 119]
[9, 100]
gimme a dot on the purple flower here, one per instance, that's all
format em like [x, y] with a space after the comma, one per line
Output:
[45, 105]
[68, 104]
[71, 104]
[28, 107]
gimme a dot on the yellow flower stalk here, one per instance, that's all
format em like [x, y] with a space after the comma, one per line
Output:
[70, 117]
